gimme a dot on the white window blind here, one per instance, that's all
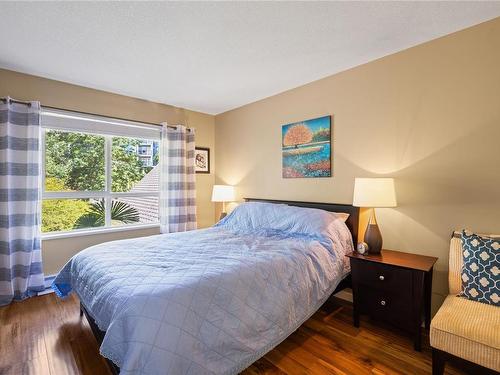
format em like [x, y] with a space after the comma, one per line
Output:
[74, 121]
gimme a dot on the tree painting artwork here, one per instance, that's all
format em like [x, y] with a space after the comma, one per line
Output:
[306, 148]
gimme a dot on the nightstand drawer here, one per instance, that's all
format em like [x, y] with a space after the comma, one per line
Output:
[382, 277]
[390, 307]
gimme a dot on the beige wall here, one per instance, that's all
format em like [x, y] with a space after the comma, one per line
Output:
[62, 95]
[428, 116]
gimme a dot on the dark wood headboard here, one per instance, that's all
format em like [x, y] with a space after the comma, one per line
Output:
[352, 222]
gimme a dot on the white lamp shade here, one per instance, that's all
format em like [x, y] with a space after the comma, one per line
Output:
[223, 193]
[374, 192]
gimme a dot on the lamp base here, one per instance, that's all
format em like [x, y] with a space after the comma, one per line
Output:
[373, 237]
[222, 215]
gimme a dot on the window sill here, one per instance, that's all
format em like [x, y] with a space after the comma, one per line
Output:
[90, 232]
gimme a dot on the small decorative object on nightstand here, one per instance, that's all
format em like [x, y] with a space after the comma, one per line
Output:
[362, 248]
[394, 287]
[223, 193]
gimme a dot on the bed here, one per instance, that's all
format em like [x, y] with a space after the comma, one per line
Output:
[212, 301]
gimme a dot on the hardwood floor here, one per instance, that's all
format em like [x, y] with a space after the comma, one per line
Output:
[45, 335]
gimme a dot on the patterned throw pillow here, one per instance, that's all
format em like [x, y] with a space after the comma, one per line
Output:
[481, 268]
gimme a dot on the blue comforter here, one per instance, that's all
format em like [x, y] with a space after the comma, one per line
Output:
[209, 301]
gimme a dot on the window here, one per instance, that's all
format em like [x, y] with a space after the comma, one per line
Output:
[98, 172]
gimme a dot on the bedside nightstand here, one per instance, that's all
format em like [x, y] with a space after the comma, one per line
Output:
[394, 287]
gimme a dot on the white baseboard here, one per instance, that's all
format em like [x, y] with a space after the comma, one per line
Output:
[46, 291]
[345, 294]
[48, 282]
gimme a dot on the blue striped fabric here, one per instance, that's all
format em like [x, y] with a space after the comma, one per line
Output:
[177, 180]
[20, 144]
[21, 272]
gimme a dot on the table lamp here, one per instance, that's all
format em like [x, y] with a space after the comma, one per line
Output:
[371, 193]
[223, 193]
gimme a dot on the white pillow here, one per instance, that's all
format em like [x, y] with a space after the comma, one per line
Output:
[281, 217]
[340, 215]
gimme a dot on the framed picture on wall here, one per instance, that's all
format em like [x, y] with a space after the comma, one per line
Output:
[306, 148]
[202, 159]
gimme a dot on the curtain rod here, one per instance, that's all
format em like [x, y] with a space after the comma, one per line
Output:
[86, 113]
[15, 101]
[114, 118]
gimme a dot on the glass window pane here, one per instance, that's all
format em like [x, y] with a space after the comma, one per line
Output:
[73, 161]
[70, 214]
[134, 165]
[134, 210]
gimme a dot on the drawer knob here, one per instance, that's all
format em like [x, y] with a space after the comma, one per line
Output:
[381, 278]
[382, 303]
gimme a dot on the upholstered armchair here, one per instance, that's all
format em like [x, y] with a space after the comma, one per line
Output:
[464, 328]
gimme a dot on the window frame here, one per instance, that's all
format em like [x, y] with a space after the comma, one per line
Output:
[107, 194]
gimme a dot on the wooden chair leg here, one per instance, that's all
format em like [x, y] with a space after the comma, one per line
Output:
[438, 362]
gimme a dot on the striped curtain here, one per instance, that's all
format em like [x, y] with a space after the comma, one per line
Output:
[177, 180]
[20, 258]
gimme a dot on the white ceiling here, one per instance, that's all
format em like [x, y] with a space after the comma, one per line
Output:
[215, 56]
